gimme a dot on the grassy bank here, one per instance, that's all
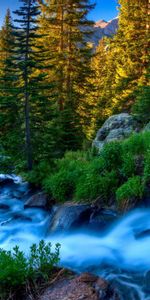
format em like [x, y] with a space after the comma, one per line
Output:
[119, 173]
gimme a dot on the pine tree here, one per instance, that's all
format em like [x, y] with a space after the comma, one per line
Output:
[132, 52]
[29, 57]
[65, 24]
[10, 131]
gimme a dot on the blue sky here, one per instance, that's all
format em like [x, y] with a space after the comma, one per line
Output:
[105, 9]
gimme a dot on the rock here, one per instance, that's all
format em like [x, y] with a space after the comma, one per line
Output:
[69, 216]
[17, 194]
[102, 218]
[4, 206]
[147, 281]
[147, 127]
[21, 217]
[37, 200]
[72, 216]
[116, 127]
[6, 179]
[83, 287]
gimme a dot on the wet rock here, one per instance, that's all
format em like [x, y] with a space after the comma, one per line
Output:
[4, 206]
[83, 287]
[6, 178]
[116, 127]
[21, 217]
[37, 200]
[101, 218]
[147, 281]
[17, 194]
[72, 216]
[69, 216]
[16, 217]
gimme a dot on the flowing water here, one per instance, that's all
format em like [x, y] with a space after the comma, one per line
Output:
[121, 254]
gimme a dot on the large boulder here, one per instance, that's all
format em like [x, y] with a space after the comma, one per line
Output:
[116, 127]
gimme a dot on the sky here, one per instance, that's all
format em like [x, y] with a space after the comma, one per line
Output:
[105, 9]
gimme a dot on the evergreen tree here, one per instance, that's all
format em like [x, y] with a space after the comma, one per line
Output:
[65, 24]
[10, 131]
[29, 57]
[132, 52]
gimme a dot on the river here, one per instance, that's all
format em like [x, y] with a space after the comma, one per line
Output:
[121, 254]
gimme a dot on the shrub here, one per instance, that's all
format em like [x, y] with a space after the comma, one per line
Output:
[146, 176]
[92, 186]
[37, 175]
[6, 165]
[112, 155]
[128, 167]
[137, 144]
[16, 269]
[129, 192]
[62, 183]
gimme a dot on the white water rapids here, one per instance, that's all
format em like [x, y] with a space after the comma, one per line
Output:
[121, 254]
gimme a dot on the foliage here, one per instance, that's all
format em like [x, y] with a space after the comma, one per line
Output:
[147, 168]
[62, 183]
[112, 155]
[128, 167]
[37, 175]
[91, 186]
[16, 269]
[130, 191]
[121, 67]
[141, 107]
[86, 176]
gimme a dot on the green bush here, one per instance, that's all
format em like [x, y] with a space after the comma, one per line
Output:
[62, 183]
[39, 172]
[91, 186]
[16, 269]
[146, 176]
[6, 165]
[137, 144]
[112, 155]
[128, 167]
[129, 192]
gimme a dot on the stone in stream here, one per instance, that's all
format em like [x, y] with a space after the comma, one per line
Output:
[37, 200]
[69, 216]
[101, 218]
[72, 216]
[4, 206]
[6, 178]
[17, 194]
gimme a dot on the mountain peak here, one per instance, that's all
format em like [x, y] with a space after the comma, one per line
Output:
[101, 23]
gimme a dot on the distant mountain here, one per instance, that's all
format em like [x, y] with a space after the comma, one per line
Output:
[103, 28]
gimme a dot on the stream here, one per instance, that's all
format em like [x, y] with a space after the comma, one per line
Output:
[120, 253]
